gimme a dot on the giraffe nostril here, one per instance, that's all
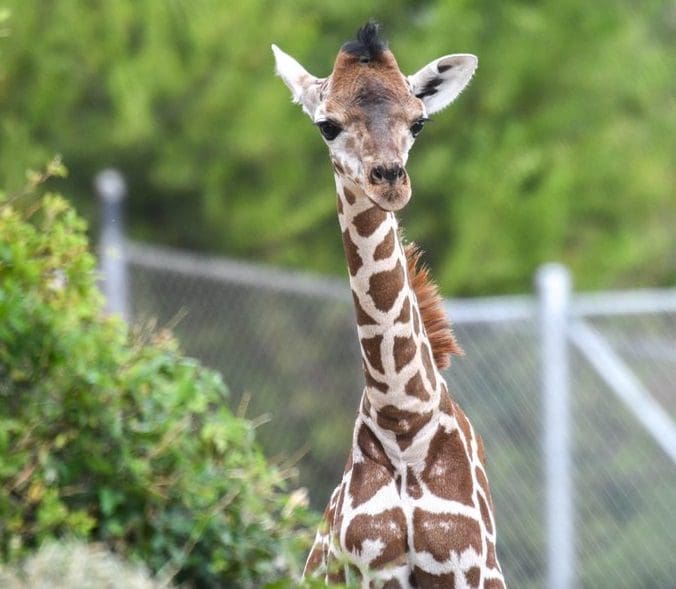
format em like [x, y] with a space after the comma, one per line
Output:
[394, 173]
[378, 174]
[390, 174]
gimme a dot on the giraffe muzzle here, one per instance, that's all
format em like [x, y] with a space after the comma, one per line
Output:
[388, 186]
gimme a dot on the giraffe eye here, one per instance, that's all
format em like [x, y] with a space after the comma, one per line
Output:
[329, 130]
[417, 127]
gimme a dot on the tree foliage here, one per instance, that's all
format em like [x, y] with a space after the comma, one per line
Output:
[562, 147]
[115, 437]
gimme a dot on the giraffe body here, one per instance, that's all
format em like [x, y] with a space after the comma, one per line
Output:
[413, 508]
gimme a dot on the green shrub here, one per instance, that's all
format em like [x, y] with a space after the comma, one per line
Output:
[115, 437]
[74, 565]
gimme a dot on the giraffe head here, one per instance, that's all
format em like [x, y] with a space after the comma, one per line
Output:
[369, 113]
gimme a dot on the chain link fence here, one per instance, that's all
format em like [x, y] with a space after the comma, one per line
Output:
[574, 395]
[285, 343]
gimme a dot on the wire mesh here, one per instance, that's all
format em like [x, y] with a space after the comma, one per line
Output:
[292, 358]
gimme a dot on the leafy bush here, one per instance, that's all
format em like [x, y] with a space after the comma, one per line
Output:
[116, 437]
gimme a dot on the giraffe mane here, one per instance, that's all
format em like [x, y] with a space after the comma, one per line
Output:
[368, 45]
[432, 313]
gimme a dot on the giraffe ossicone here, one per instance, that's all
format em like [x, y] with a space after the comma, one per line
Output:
[413, 508]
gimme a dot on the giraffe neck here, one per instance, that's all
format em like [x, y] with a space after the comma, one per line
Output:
[403, 385]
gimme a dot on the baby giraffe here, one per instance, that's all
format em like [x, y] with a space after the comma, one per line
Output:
[413, 508]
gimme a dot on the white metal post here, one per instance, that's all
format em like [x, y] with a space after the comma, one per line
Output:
[554, 289]
[112, 189]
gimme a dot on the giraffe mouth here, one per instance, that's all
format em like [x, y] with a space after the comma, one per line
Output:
[390, 198]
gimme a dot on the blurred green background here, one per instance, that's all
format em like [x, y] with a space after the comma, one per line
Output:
[563, 147]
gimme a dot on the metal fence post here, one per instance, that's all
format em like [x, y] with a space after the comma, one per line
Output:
[554, 288]
[112, 189]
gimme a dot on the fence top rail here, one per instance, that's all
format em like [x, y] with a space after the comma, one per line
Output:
[647, 300]
[589, 305]
[236, 271]
[476, 310]
[491, 309]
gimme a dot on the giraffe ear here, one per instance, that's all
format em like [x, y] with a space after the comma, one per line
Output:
[305, 88]
[440, 82]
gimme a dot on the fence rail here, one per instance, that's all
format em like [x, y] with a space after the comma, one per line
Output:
[574, 393]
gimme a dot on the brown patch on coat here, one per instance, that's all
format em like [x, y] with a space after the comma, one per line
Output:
[369, 220]
[363, 318]
[416, 388]
[371, 447]
[327, 517]
[405, 314]
[481, 449]
[443, 533]
[338, 517]
[473, 577]
[388, 526]
[485, 487]
[432, 581]
[391, 584]
[485, 514]
[371, 347]
[349, 196]
[402, 422]
[404, 350]
[385, 248]
[413, 488]
[404, 440]
[448, 472]
[315, 559]
[494, 584]
[491, 558]
[384, 287]
[427, 363]
[373, 382]
[354, 261]
[464, 425]
[445, 401]
[318, 555]
[430, 303]
[374, 473]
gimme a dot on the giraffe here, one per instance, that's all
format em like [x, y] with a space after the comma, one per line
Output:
[413, 508]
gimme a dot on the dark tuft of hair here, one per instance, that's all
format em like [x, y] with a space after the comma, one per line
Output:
[368, 45]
